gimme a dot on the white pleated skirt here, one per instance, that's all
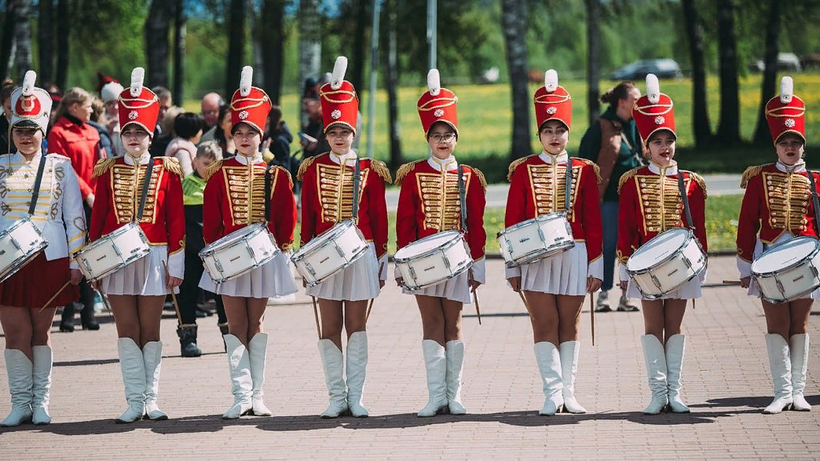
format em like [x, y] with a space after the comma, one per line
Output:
[357, 282]
[760, 247]
[690, 290]
[274, 279]
[144, 277]
[455, 289]
[562, 274]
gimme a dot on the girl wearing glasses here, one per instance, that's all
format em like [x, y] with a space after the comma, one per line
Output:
[430, 202]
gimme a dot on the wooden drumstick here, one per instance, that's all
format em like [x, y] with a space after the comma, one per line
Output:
[475, 298]
[369, 308]
[173, 296]
[592, 318]
[316, 317]
[55, 295]
[731, 282]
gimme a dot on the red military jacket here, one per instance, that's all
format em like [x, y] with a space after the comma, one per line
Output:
[429, 203]
[650, 203]
[777, 200]
[117, 197]
[234, 197]
[537, 187]
[327, 196]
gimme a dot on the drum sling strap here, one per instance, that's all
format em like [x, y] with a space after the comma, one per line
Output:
[568, 188]
[686, 211]
[814, 200]
[461, 196]
[37, 181]
[356, 179]
[147, 181]
[268, 197]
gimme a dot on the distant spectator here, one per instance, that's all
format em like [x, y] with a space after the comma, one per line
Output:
[166, 126]
[314, 142]
[56, 95]
[188, 129]
[279, 138]
[211, 104]
[110, 90]
[223, 135]
[97, 120]
[6, 144]
[166, 100]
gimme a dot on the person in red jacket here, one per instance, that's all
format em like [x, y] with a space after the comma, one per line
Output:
[234, 198]
[778, 207]
[555, 287]
[137, 291]
[429, 203]
[327, 199]
[650, 203]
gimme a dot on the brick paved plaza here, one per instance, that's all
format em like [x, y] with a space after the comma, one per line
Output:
[726, 383]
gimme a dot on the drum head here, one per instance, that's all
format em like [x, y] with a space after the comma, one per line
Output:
[657, 249]
[426, 244]
[785, 255]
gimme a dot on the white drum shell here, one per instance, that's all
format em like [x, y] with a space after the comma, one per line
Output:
[19, 244]
[239, 252]
[334, 250]
[421, 266]
[535, 239]
[112, 252]
[798, 276]
[655, 276]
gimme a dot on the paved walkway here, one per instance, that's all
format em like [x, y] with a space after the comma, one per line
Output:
[726, 384]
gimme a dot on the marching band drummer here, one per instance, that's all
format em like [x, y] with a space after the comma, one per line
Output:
[327, 199]
[137, 291]
[58, 214]
[430, 202]
[555, 287]
[776, 208]
[234, 198]
[650, 203]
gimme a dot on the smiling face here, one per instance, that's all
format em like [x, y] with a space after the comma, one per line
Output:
[442, 140]
[247, 139]
[340, 139]
[136, 140]
[789, 149]
[662, 148]
[554, 137]
[27, 140]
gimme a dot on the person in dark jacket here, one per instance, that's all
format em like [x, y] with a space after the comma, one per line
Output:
[279, 136]
[615, 145]
[105, 148]
[6, 144]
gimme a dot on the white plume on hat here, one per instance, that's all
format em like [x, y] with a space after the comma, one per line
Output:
[653, 88]
[245, 81]
[28, 90]
[434, 82]
[137, 79]
[28, 82]
[339, 70]
[551, 80]
[786, 89]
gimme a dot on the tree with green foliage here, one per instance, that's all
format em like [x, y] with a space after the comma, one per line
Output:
[514, 15]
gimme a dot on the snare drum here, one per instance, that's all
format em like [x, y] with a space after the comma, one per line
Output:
[433, 260]
[535, 239]
[239, 252]
[789, 270]
[337, 248]
[666, 262]
[19, 245]
[112, 252]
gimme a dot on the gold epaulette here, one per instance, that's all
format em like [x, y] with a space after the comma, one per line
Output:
[750, 173]
[285, 171]
[698, 179]
[306, 163]
[515, 164]
[405, 169]
[626, 177]
[212, 168]
[172, 164]
[103, 165]
[381, 169]
[595, 168]
[481, 179]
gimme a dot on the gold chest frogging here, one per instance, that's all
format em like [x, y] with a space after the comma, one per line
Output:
[439, 199]
[17, 186]
[126, 184]
[335, 186]
[246, 193]
[660, 202]
[549, 183]
[787, 196]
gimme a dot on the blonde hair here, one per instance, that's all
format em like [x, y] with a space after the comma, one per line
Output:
[70, 97]
[97, 109]
[167, 122]
[209, 150]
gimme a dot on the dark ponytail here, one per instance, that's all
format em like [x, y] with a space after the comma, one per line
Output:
[619, 93]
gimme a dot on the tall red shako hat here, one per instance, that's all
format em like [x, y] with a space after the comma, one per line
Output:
[786, 113]
[249, 104]
[653, 111]
[552, 102]
[340, 104]
[138, 105]
[437, 104]
[30, 106]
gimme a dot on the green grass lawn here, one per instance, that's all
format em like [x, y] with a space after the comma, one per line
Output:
[721, 224]
[485, 122]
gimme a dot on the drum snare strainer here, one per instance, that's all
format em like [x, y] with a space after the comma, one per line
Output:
[789, 270]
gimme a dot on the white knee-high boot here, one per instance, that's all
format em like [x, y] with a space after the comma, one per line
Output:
[569, 351]
[152, 354]
[435, 362]
[356, 373]
[549, 365]
[454, 350]
[333, 364]
[781, 368]
[132, 364]
[675, 346]
[258, 349]
[41, 389]
[19, 369]
[655, 358]
[241, 382]
[799, 355]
